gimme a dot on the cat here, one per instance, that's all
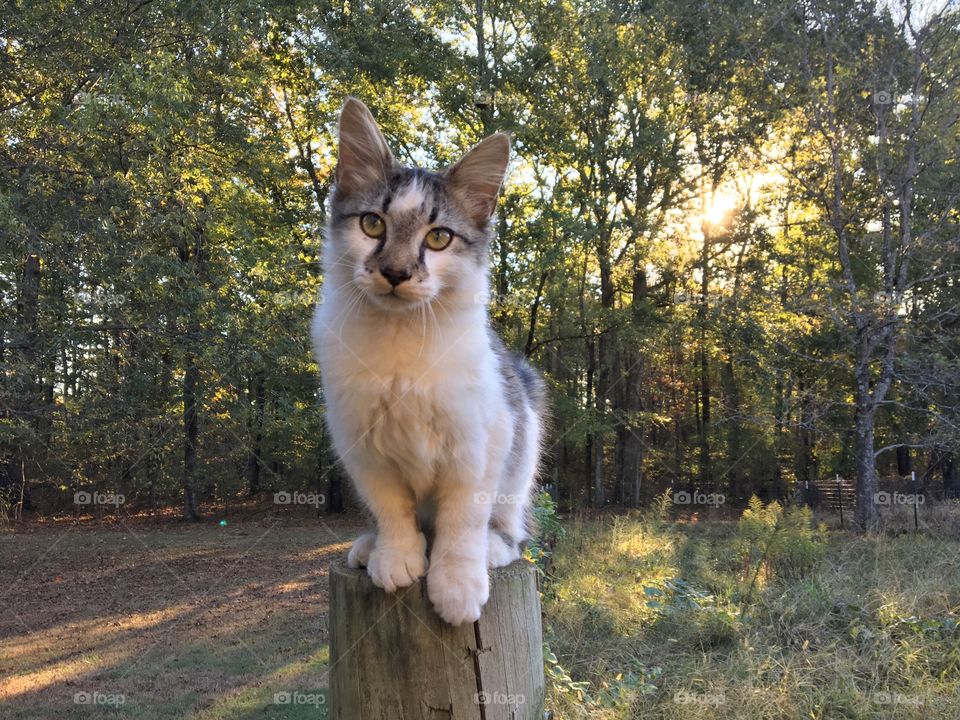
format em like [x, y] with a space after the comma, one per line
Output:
[437, 424]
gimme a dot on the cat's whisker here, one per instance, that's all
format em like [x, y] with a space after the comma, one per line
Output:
[353, 301]
[436, 324]
[423, 337]
[443, 307]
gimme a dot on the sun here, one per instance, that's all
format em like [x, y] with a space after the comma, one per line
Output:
[718, 210]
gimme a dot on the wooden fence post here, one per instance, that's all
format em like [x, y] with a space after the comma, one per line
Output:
[391, 656]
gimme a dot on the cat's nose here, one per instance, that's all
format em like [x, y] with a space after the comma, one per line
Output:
[394, 276]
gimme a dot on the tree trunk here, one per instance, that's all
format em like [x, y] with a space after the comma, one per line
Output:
[633, 430]
[604, 372]
[25, 396]
[591, 438]
[951, 488]
[866, 515]
[599, 484]
[904, 461]
[190, 432]
[706, 473]
[942, 459]
[805, 461]
[194, 258]
[633, 465]
[255, 453]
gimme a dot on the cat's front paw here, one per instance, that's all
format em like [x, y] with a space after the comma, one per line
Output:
[394, 565]
[458, 590]
[359, 554]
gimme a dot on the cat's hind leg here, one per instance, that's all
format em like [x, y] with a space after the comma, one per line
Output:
[510, 515]
[500, 552]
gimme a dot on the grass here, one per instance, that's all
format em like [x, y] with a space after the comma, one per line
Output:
[691, 620]
[644, 618]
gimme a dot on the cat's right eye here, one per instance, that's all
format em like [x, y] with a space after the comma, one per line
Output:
[372, 225]
[439, 238]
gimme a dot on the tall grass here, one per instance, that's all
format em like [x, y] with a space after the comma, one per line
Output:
[768, 617]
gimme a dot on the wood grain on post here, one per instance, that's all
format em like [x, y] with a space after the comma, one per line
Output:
[393, 658]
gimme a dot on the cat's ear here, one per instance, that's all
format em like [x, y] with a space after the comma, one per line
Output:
[363, 157]
[478, 175]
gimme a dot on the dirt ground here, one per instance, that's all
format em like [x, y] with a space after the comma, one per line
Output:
[134, 618]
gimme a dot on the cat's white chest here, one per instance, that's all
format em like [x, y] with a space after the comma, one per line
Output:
[404, 420]
[403, 399]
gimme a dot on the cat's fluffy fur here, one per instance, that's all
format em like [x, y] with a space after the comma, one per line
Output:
[437, 424]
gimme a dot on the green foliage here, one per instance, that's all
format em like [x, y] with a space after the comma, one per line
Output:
[665, 249]
[547, 531]
[623, 688]
[659, 509]
[559, 679]
[617, 691]
[780, 544]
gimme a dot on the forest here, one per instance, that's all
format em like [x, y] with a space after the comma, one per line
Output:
[729, 238]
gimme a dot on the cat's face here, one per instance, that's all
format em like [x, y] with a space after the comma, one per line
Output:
[405, 236]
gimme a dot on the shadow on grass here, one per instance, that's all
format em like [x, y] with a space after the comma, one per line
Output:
[276, 670]
[237, 630]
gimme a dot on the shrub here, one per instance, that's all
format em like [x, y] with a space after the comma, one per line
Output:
[547, 531]
[778, 544]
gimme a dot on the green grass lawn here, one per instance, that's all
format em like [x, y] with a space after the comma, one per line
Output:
[645, 619]
[649, 619]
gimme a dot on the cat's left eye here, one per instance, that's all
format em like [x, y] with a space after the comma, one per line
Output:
[373, 225]
[438, 238]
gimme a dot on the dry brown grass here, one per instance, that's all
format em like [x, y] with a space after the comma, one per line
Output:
[185, 621]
